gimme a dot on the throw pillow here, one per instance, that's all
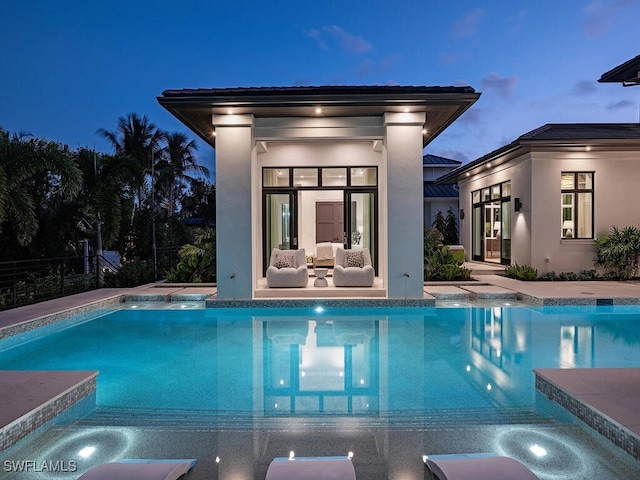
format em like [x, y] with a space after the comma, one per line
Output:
[283, 260]
[355, 259]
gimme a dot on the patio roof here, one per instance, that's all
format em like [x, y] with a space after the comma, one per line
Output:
[195, 107]
[436, 160]
[627, 73]
[554, 136]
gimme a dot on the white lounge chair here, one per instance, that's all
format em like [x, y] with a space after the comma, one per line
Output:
[476, 466]
[307, 468]
[287, 269]
[146, 469]
[353, 268]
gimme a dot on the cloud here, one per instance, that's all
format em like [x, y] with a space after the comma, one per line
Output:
[468, 25]
[453, 155]
[598, 15]
[473, 116]
[448, 58]
[502, 85]
[622, 104]
[349, 42]
[585, 87]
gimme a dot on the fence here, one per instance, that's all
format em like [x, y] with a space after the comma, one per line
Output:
[24, 282]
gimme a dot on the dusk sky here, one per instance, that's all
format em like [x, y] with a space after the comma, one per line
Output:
[70, 67]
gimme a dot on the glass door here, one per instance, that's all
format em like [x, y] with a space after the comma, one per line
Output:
[280, 223]
[505, 243]
[360, 222]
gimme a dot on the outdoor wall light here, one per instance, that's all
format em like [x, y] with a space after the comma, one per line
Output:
[517, 204]
[462, 214]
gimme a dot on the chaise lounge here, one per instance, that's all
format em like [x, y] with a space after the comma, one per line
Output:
[287, 269]
[476, 466]
[353, 268]
[140, 470]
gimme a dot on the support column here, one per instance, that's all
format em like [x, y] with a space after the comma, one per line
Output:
[405, 237]
[234, 142]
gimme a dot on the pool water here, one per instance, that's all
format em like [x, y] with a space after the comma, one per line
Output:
[331, 362]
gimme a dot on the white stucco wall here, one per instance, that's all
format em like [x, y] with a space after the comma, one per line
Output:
[403, 145]
[234, 145]
[535, 179]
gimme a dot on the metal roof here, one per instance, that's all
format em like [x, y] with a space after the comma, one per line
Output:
[431, 190]
[554, 136]
[627, 73]
[436, 160]
[442, 105]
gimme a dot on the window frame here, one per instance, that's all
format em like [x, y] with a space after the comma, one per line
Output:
[576, 206]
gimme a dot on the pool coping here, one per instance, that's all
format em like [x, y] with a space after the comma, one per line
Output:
[605, 399]
[32, 398]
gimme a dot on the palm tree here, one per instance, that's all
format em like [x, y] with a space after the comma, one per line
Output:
[139, 140]
[32, 171]
[176, 166]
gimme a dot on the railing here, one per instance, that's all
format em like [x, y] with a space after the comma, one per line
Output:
[24, 282]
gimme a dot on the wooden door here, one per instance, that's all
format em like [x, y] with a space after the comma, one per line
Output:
[329, 222]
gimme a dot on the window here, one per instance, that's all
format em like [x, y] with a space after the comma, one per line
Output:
[577, 204]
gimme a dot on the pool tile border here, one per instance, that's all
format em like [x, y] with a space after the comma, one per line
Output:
[605, 426]
[325, 302]
[44, 320]
[17, 430]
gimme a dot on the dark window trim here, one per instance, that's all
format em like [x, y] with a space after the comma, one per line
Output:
[576, 207]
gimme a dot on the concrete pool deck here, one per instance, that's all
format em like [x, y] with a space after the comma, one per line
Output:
[488, 286]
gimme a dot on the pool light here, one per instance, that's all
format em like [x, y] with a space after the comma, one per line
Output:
[319, 310]
[292, 455]
[86, 452]
[489, 387]
[350, 455]
[468, 368]
[537, 450]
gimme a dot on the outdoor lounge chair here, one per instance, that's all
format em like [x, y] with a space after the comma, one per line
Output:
[316, 468]
[140, 470]
[476, 466]
[287, 269]
[353, 268]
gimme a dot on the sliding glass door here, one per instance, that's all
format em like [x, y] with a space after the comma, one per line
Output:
[360, 220]
[280, 222]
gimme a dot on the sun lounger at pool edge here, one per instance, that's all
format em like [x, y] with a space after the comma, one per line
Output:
[144, 469]
[476, 466]
[317, 468]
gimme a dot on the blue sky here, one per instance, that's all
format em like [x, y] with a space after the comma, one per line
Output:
[70, 67]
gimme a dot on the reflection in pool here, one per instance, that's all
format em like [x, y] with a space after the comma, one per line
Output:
[359, 362]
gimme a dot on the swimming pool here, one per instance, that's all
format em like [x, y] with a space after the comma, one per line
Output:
[446, 363]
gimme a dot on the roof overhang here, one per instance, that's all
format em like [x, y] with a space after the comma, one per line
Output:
[195, 107]
[628, 139]
[627, 73]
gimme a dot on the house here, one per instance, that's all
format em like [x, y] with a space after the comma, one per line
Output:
[542, 199]
[438, 198]
[296, 165]
[628, 73]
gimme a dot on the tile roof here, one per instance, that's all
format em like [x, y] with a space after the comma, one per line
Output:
[436, 160]
[315, 90]
[556, 135]
[627, 73]
[583, 131]
[431, 190]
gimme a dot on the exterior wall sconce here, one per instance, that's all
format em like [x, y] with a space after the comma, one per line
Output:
[517, 204]
[462, 214]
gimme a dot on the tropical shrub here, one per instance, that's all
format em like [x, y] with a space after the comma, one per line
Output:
[521, 272]
[197, 260]
[618, 251]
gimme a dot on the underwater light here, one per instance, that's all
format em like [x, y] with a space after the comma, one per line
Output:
[319, 309]
[86, 452]
[489, 387]
[537, 450]
[292, 455]
[350, 455]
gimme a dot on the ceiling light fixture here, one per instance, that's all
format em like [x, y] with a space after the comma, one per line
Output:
[318, 110]
[230, 111]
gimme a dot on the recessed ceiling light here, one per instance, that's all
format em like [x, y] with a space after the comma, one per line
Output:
[424, 131]
[406, 109]
[318, 110]
[588, 148]
[488, 165]
[468, 174]
[230, 112]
